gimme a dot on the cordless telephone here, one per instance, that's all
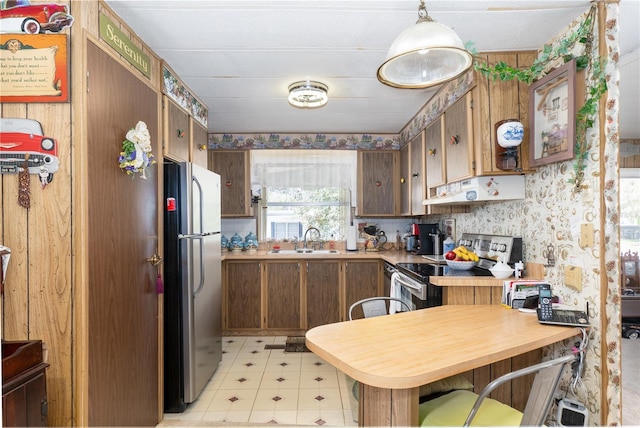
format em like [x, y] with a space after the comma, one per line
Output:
[548, 315]
[545, 309]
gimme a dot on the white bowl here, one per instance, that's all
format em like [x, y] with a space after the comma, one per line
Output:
[460, 265]
[501, 271]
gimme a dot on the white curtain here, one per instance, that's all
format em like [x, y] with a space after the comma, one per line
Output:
[304, 168]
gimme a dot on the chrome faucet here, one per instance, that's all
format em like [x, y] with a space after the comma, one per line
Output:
[304, 242]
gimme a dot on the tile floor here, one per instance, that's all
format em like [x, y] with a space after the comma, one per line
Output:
[267, 386]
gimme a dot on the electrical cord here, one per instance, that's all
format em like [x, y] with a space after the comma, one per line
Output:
[578, 366]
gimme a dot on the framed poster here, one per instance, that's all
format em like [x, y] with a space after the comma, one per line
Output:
[34, 68]
[552, 118]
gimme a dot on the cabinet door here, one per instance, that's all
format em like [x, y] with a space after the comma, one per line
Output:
[26, 405]
[233, 167]
[434, 151]
[323, 292]
[458, 140]
[405, 181]
[242, 293]
[176, 132]
[362, 280]
[198, 144]
[283, 295]
[417, 174]
[378, 192]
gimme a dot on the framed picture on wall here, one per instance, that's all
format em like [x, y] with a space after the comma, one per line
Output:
[552, 118]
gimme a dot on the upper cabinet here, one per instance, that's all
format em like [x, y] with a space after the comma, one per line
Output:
[405, 181]
[434, 153]
[198, 144]
[458, 140]
[177, 139]
[378, 186]
[418, 176]
[233, 167]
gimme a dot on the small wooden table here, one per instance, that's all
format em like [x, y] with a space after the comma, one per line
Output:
[392, 356]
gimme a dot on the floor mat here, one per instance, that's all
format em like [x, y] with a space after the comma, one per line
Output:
[295, 344]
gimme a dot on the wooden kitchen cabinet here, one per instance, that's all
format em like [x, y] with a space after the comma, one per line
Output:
[378, 186]
[282, 295]
[363, 279]
[234, 169]
[434, 153]
[198, 144]
[176, 137]
[458, 140]
[418, 176]
[242, 295]
[405, 181]
[323, 292]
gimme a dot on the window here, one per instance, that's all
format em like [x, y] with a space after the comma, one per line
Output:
[629, 210]
[302, 189]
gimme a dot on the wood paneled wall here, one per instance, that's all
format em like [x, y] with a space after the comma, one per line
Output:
[44, 296]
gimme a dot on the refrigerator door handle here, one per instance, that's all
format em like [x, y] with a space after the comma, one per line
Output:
[198, 186]
[201, 284]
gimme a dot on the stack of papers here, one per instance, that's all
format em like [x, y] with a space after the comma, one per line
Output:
[520, 293]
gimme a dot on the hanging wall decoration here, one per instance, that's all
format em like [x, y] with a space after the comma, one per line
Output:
[136, 155]
[34, 68]
[24, 149]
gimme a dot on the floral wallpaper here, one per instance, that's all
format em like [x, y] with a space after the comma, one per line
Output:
[304, 141]
[175, 89]
[550, 218]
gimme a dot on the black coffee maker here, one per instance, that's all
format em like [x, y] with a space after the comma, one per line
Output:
[430, 239]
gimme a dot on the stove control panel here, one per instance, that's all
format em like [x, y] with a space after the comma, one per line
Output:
[493, 248]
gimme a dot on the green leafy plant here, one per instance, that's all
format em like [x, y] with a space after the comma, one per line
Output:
[562, 50]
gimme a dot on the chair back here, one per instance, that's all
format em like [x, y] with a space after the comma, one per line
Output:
[544, 386]
[375, 306]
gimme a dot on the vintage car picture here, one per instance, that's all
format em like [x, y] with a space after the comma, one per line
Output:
[22, 140]
[20, 16]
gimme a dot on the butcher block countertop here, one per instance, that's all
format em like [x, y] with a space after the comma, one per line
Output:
[534, 270]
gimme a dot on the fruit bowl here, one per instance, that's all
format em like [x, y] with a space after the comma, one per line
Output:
[461, 265]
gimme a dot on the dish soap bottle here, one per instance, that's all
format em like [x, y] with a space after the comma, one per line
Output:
[448, 245]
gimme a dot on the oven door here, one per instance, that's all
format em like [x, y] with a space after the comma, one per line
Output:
[422, 295]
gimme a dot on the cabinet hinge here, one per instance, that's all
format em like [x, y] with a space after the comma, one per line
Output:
[471, 103]
[473, 165]
[87, 88]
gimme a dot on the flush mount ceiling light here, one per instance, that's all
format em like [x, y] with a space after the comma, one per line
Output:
[308, 94]
[424, 55]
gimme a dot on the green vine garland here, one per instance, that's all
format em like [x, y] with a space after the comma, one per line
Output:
[595, 88]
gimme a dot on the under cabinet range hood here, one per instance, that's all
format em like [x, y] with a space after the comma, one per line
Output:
[479, 189]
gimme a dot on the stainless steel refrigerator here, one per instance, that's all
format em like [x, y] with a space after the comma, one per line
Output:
[192, 282]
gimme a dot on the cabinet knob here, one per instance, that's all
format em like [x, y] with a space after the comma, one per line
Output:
[453, 140]
[432, 152]
[378, 183]
[228, 184]
[415, 175]
[402, 180]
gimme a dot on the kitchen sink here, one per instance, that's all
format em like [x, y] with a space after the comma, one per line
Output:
[304, 251]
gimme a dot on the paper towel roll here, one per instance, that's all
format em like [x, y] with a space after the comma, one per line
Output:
[352, 233]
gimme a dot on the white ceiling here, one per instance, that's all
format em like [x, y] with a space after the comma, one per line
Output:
[239, 56]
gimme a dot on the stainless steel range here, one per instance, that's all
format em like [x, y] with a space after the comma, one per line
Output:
[490, 248]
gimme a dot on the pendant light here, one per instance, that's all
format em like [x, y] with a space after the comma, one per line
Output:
[308, 94]
[424, 55]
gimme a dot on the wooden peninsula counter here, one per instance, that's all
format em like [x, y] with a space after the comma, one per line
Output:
[392, 356]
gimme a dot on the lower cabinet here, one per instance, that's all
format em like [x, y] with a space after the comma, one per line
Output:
[323, 292]
[291, 296]
[362, 279]
[282, 291]
[242, 296]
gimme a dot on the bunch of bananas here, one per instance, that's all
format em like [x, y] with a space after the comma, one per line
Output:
[462, 253]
